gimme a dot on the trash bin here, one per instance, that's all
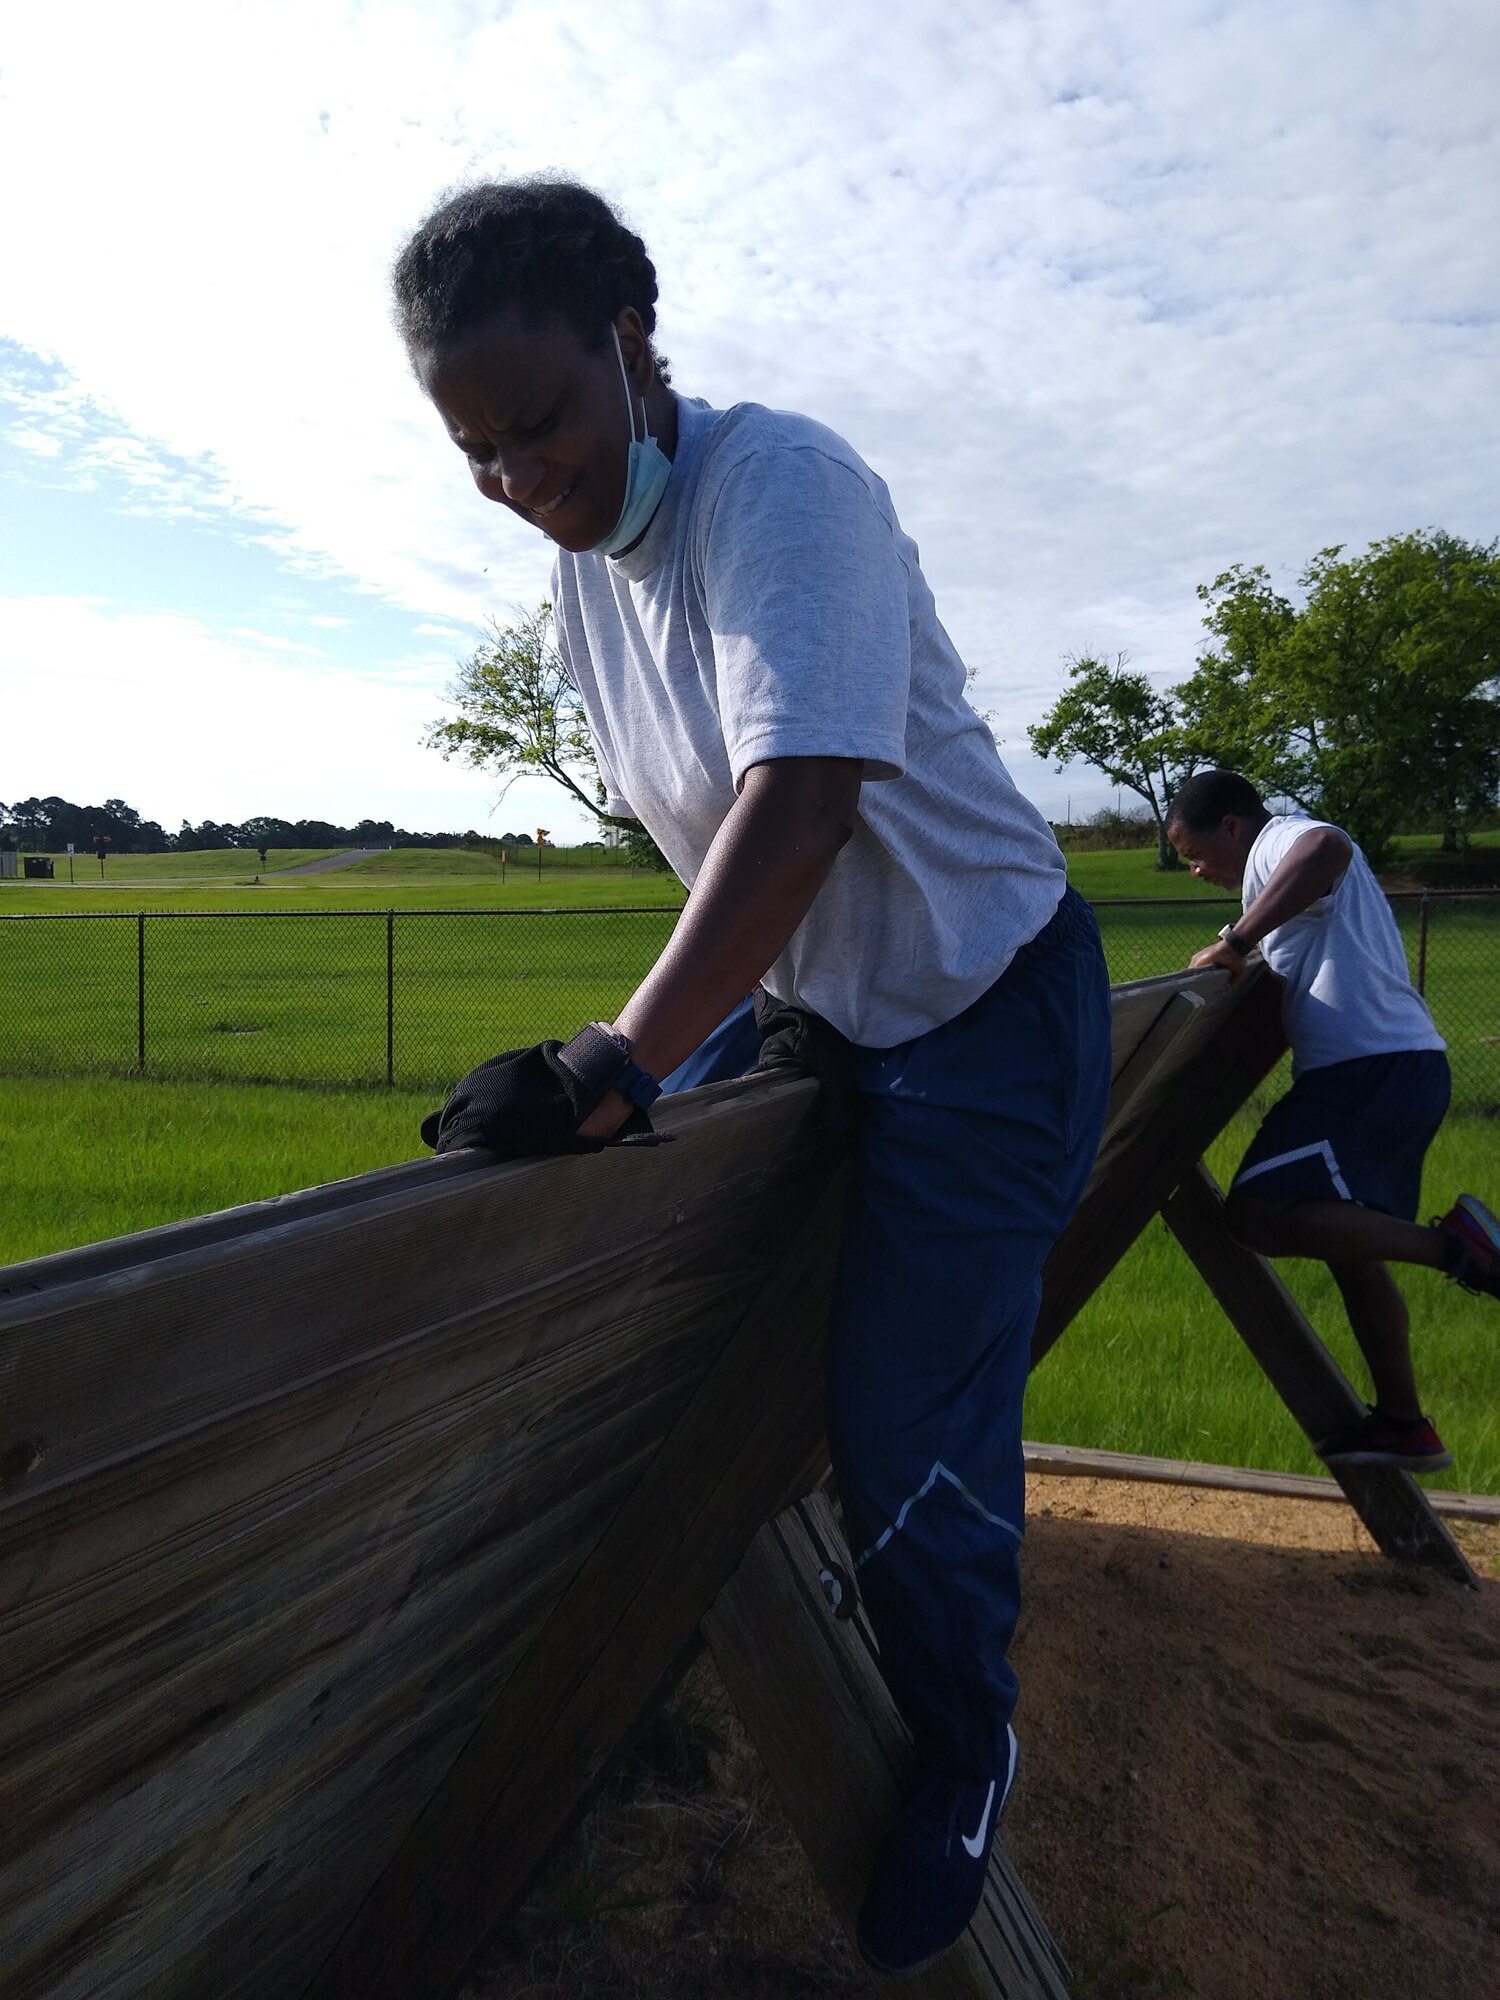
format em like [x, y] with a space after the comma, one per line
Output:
[38, 867]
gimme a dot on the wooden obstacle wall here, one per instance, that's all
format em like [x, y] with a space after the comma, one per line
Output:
[344, 1539]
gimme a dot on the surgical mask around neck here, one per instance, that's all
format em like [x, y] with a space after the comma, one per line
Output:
[647, 470]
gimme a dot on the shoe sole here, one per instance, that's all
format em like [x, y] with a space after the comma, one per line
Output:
[1430, 1462]
[1488, 1221]
[1480, 1237]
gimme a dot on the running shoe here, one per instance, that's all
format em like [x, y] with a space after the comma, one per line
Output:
[929, 1875]
[1378, 1440]
[1473, 1232]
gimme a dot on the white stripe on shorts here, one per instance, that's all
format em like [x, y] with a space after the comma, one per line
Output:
[1301, 1153]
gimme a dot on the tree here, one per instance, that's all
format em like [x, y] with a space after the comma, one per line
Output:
[50, 823]
[519, 711]
[1377, 703]
[1118, 722]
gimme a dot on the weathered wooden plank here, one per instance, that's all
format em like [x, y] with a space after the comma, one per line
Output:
[1071, 1461]
[368, 1524]
[98, 1368]
[107, 1544]
[1161, 1044]
[618, 1628]
[1137, 1007]
[146, 1248]
[1305, 1375]
[264, 1583]
[144, 1767]
[808, 1689]
[305, 1726]
[1220, 1055]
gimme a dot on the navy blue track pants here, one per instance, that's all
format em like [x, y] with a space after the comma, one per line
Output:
[974, 1144]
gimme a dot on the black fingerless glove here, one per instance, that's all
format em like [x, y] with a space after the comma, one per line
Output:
[528, 1103]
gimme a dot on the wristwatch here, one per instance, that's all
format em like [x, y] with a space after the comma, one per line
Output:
[1235, 943]
[599, 1056]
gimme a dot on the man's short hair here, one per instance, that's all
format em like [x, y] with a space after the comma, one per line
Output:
[1203, 800]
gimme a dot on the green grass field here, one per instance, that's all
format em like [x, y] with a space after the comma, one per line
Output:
[1150, 1366]
[87, 1160]
[405, 878]
[302, 997]
[447, 878]
[294, 988]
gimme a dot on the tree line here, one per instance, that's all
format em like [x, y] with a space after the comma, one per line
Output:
[1373, 702]
[47, 825]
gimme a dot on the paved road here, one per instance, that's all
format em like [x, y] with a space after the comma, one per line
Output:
[345, 860]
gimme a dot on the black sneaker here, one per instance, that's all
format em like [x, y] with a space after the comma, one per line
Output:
[929, 1875]
[1378, 1440]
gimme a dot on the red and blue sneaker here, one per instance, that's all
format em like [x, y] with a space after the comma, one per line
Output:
[1473, 1233]
[930, 1874]
[1408, 1442]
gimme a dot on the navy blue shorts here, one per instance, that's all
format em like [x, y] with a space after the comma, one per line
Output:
[1353, 1131]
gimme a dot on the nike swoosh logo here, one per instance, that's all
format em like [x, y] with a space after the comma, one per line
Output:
[975, 1847]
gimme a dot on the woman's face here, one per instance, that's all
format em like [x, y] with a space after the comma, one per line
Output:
[543, 420]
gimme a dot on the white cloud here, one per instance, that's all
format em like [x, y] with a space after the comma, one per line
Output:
[26, 437]
[1113, 296]
[186, 722]
[275, 642]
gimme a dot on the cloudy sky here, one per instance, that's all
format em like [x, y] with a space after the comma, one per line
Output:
[1111, 295]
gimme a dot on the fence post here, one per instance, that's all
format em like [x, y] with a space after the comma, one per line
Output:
[1422, 942]
[140, 991]
[390, 996]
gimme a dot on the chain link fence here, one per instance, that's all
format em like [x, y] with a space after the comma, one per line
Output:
[413, 998]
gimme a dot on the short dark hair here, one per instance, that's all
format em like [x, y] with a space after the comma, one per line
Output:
[549, 249]
[1201, 801]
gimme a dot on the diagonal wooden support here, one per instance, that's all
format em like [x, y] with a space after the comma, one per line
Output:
[809, 1692]
[1305, 1375]
[725, 1466]
[1159, 1125]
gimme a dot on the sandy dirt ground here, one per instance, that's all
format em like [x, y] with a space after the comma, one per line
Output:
[1261, 1763]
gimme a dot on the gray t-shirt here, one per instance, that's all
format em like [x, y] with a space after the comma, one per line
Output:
[1347, 991]
[775, 609]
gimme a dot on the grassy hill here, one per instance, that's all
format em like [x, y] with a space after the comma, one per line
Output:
[403, 878]
[570, 878]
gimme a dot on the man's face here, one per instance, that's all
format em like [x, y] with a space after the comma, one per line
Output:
[543, 421]
[1219, 853]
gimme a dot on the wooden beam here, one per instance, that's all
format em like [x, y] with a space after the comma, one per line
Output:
[1161, 1043]
[1305, 1375]
[809, 1692]
[1229, 1046]
[616, 1630]
[1071, 1461]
